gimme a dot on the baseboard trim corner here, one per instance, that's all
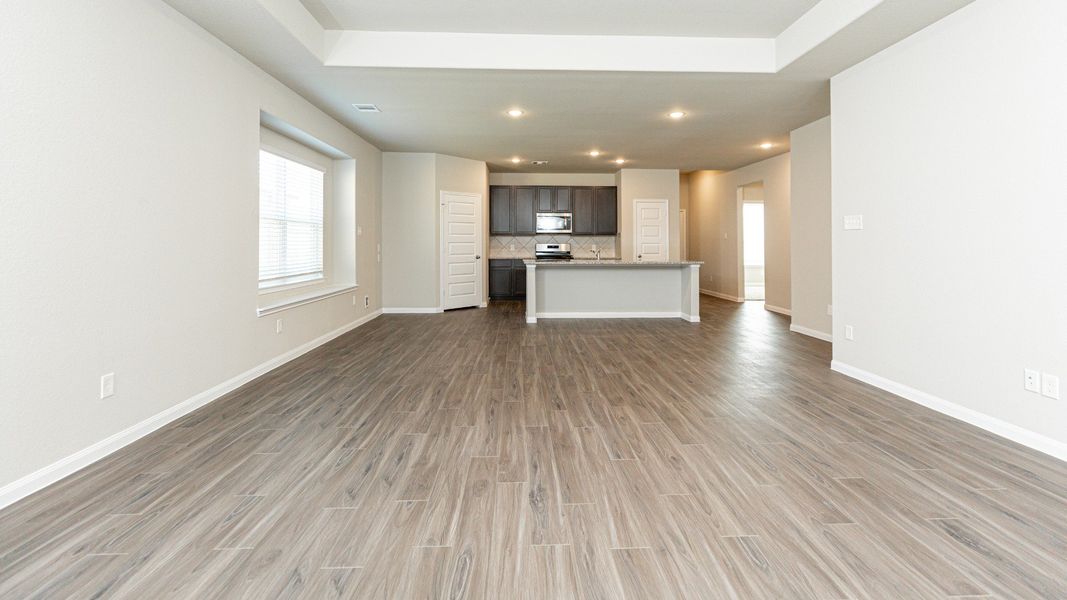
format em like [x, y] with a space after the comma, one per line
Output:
[721, 296]
[64, 467]
[819, 335]
[1004, 429]
[778, 309]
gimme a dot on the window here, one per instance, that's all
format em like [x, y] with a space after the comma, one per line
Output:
[291, 200]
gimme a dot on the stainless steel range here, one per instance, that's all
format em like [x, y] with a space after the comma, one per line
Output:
[552, 252]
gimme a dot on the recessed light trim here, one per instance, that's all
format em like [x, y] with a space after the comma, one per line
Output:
[620, 161]
[676, 115]
[766, 145]
[594, 153]
[515, 113]
[367, 108]
[516, 160]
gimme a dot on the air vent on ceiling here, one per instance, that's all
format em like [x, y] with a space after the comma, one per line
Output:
[539, 163]
[366, 108]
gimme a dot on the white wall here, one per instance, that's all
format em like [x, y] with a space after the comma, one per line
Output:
[412, 183]
[593, 179]
[409, 230]
[810, 227]
[129, 229]
[714, 227]
[647, 184]
[951, 144]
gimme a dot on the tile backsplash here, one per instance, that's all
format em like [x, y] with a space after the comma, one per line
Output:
[500, 246]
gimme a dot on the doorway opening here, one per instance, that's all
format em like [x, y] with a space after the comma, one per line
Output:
[753, 255]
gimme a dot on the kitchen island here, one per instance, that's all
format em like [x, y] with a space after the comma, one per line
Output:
[612, 289]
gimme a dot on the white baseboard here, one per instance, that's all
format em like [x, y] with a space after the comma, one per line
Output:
[721, 296]
[819, 335]
[778, 309]
[531, 319]
[994, 425]
[616, 315]
[415, 310]
[20, 488]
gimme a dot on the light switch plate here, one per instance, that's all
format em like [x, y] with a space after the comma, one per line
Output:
[850, 333]
[853, 222]
[1050, 386]
[107, 386]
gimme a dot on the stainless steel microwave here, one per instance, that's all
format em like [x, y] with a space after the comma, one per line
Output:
[553, 222]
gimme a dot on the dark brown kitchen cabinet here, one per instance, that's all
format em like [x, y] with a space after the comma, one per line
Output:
[518, 278]
[563, 200]
[500, 210]
[523, 211]
[500, 285]
[507, 278]
[546, 199]
[513, 210]
[606, 211]
[582, 199]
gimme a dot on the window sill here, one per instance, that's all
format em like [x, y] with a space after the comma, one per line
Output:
[302, 299]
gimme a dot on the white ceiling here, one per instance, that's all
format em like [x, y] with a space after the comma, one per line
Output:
[715, 18]
[622, 113]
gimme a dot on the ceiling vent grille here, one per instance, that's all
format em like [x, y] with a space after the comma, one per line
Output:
[539, 163]
[369, 108]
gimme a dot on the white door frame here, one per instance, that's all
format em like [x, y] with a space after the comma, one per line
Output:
[666, 230]
[442, 268]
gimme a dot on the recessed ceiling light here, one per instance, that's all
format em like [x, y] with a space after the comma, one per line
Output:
[595, 153]
[366, 108]
[766, 145]
[516, 160]
[619, 161]
[516, 112]
[676, 114]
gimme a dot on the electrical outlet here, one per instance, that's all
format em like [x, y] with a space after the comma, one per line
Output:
[278, 326]
[1032, 381]
[107, 385]
[366, 301]
[830, 310]
[511, 247]
[850, 333]
[1050, 386]
[359, 230]
[853, 222]
[353, 299]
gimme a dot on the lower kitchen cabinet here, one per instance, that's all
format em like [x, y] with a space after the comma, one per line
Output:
[507, 278]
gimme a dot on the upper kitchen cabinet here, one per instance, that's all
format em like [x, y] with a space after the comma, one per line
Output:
[513, 209]
[546, 199]
[500, 210]
[582, 199]
[524, 210]
[563, 199]
[606, 211]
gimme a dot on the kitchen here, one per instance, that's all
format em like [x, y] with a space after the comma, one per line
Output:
[557, 248]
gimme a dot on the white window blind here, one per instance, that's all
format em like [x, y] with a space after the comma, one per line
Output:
[290, 221]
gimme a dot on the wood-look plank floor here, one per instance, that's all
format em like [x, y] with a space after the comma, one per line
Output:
[469, 455]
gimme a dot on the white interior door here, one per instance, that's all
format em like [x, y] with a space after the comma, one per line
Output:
[461, 251]
[651, 230]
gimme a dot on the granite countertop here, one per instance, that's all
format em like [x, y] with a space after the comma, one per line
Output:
[610, 262]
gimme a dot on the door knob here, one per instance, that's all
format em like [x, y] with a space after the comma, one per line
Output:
[477, 256]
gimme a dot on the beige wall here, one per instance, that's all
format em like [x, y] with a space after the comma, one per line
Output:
[714, 227]
[594, 179]
[810, 228]
[647, 184]
[951, 146]
[141, 257]
[409, 230]
[412, 183]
